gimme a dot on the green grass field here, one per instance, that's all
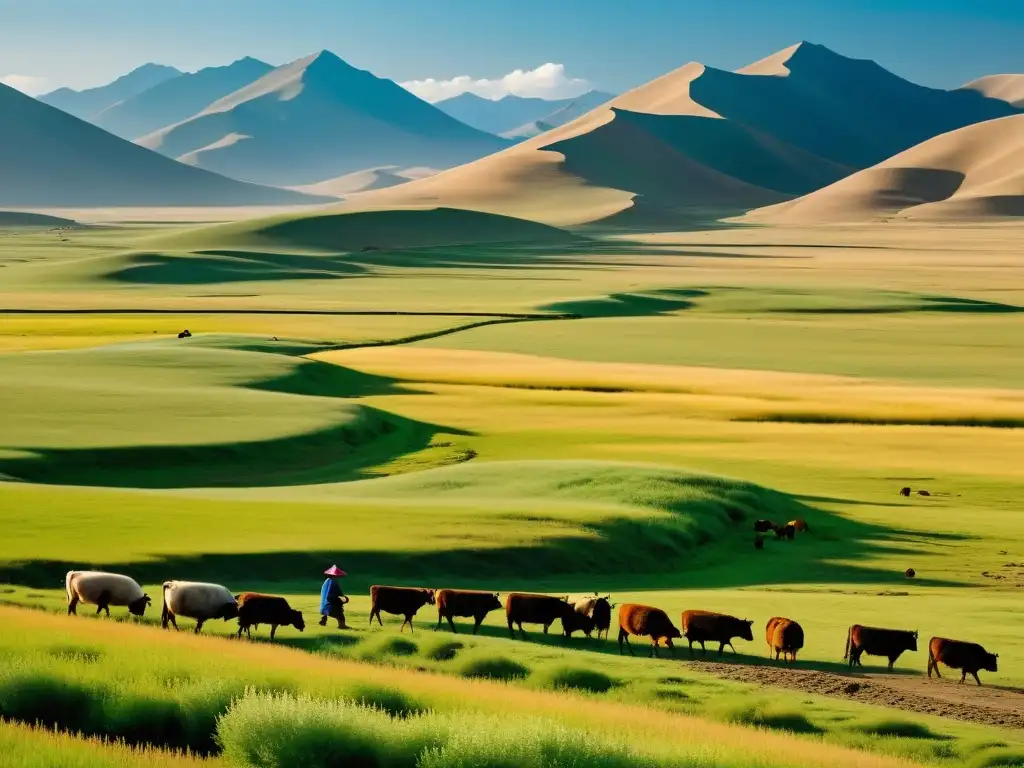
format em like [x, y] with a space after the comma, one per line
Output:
[630, 408]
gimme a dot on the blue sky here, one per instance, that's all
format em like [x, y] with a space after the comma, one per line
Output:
[611, 44]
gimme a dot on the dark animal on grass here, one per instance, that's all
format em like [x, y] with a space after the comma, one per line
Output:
[196, 600]
[923, 493]
[104, 590]
[874, 641]
[910, 573]
[784, 636]
[255, 609]
[785, 532]
[763, 526]
[465, 603]
[186, 334]
[521, 608]
[800, 525]
[758, 541]
[706, 626]
[905, 491]
[577, 622]
[646, 621]
[969, 658]
[598, 610]
[400, 601]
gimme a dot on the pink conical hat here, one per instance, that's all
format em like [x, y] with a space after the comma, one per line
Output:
[334, 571]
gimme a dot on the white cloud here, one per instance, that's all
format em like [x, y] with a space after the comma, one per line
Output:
[33, 86]
[548, 81]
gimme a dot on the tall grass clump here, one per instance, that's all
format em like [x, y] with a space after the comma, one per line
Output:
[894, 727]
[384, 648]
[763, 715]
[442, 650]
[575, 679]
[272, 730]
[395, 702]
[998, 757]
[492, 668]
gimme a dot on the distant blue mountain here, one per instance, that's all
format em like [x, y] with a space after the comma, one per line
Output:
[510, 113]
[88, 104]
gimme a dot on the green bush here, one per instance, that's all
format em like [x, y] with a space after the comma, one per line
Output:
[391, 700]
[493, 668]
[443, 650]
[576, 678]
[998, 758]
[904, 729]
[382, 648]
[47, 700]
[268, 730]
[764, 715]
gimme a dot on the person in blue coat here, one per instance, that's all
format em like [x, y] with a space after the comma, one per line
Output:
[332, 599]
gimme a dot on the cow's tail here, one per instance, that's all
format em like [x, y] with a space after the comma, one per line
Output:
[849, 641]
[67, 585]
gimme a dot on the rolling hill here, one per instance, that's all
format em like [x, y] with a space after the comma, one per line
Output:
[49, 158]
[365, 181]
[701, 143]
[510, 113]
[975, 172]
[177, 99]
[89, 103]
[1008, 88]
[315, 119]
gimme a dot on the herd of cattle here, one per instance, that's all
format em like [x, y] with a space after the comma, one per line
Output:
[785, 637]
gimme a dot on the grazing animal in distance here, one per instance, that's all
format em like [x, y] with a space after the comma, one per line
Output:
[800, 525]
[196, 600]
[255, 609]
[186, 334]
[646, 621]
[400, 601]
[763, 526]
[876, 641]
[522, 608]
[784, 636]
[707, 626]
[905, 491]
[910, 573]
[785, 532]
[104, 590]
[598, 609]
[758, 541]
[969, 658]
[465, 603]
[923, 493]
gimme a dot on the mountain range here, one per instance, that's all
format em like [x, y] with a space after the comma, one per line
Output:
[88, 104]
[518, 117]
[49, 158]
[701, 142]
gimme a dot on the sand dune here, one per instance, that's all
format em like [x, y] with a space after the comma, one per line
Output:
[975, 172]
[51, 159]
[316, 119]
[1008, 88]
[701, 143]
[366, 181]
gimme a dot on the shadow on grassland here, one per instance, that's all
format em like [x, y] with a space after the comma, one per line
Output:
[616, 555]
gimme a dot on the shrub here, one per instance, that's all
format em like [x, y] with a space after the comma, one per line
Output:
[763, 715]
[75, 654]
[391, 700]
[382, 648]
[904, 729]
[998, 758]
[493, 668]
[47, 700]
[576, 678]
[445, 650]
[277, 730]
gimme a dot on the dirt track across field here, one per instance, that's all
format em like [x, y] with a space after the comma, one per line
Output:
[988, 705]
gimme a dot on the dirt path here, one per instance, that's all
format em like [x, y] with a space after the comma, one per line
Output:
[988, 705]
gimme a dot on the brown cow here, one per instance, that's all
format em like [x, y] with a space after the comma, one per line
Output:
[707, 626]
[905, 491]
[784, 636]
[255, 609]
[465, 603]
[400, 601]
[763, 526]
[521, 608]
[787, 531]
[878, 642]
[969, 658]
[645, 621]
[800, 525]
